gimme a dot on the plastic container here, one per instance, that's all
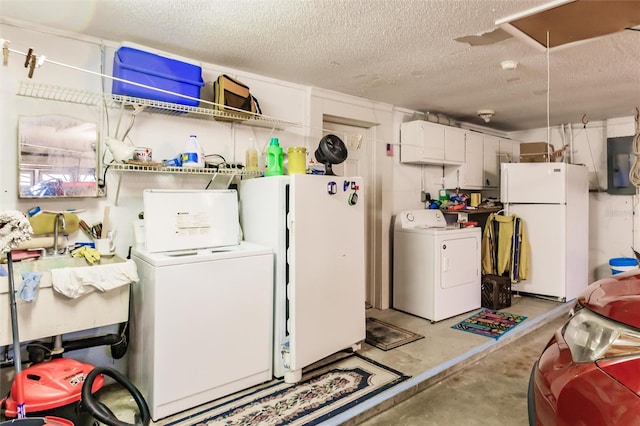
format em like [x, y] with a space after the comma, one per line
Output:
[193, 156]
[174, 162]
[42, 222]
[622, 264]
[274, 159]
[297, 156]
[156, 71]
[251, 157]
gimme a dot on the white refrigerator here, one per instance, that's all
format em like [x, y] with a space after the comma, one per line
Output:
[315, 226]
[553, 201]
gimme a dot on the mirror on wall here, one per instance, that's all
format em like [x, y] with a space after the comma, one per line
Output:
[57, 157]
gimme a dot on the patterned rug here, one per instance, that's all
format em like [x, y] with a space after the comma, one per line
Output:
[490, 323]
[387, 336]
[322, 394]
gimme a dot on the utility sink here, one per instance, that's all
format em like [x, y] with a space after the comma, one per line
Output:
[55, 262]
[53, 313]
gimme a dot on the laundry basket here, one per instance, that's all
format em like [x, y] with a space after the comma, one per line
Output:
[621, 264]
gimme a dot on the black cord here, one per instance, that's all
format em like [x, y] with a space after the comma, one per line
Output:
[216, 155]
[104, 176]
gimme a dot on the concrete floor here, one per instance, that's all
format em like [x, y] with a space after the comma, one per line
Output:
[443, 352]
[492, 391]
[449, 372]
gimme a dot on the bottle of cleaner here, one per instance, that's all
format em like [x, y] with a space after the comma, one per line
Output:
[251, 157]
[193, 156]
[274, 159]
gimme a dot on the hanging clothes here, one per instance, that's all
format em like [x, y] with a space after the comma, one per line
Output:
[505, 247]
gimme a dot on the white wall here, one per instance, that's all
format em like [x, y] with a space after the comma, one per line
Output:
[612, 227]
[164, 134]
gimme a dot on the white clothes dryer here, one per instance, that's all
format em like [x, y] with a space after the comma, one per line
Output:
[436, 268]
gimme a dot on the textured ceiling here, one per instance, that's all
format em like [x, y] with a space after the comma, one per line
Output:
[402, 52]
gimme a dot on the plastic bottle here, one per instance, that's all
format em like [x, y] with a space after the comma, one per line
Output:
[43, 222]
[274, 159]
[251, 157]
[297, 156]
[193, 156]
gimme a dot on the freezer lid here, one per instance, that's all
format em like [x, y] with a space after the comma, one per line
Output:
[190, 219]
[544, 183]
[181, 257]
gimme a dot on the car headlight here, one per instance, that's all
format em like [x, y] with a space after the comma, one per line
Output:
[591, 337]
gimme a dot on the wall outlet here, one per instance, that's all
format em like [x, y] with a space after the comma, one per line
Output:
[425, 197]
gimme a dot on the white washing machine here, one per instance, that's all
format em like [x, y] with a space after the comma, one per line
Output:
[436, 268]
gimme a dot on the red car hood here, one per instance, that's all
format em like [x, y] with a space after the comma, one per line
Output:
[616, 297]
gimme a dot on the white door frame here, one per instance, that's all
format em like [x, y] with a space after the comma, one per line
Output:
[378, 118]
[358, 138]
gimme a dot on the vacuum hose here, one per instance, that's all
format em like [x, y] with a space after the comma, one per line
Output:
[100, 411]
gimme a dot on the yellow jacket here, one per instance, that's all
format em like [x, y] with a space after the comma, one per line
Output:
[505, 247]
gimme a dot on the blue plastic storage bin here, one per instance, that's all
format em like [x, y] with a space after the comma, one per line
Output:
[156, 71]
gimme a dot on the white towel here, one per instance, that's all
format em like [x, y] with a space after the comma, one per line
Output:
[14, 229]
[75, 282]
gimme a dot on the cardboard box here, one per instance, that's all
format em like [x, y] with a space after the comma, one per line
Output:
[538, 152]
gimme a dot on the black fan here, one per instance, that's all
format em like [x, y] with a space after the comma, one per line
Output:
[331, 150]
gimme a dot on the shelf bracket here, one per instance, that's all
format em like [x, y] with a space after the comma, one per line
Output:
[220, 181]
[115, 202]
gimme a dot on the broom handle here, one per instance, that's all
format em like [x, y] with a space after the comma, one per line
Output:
[17, 362]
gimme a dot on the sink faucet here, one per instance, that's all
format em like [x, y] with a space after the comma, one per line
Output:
[57, 223]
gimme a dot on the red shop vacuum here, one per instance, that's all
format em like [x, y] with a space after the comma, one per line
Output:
[61, 391]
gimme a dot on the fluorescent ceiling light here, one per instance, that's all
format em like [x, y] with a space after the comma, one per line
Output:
[567, 22]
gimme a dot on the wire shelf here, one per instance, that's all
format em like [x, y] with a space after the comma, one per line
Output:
[57, 93]
[122, 167]
[85, 97]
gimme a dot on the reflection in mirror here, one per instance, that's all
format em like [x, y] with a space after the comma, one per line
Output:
[57, 157]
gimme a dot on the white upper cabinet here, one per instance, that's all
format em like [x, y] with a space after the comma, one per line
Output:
[496, 152]
[454, 145]
[491, 159]
[423, 142]
[509, 151]
[471, 172]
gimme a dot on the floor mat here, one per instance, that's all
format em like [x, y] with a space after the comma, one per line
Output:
[323, 393]
[387, 336]
[490, 323]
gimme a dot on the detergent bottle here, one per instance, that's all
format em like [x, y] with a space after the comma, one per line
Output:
[274, 159]
[193, 155]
